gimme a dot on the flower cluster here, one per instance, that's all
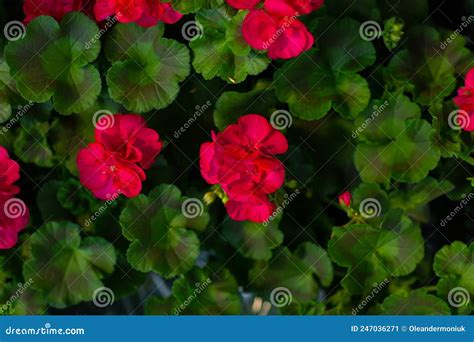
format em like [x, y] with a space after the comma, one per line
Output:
[114, 163]
[465, 102]
[275, 26]
[241, 159]
[14, 214]
[145, 13]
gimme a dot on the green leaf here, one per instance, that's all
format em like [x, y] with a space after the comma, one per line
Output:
[343, 47]
[449, 140]
[317, 259]
[53, 61]
[367, 194]
[146, 68]
[416, 302]
[220, 52]
[317, 81]
[31, 145]
[65, 269]
[395, 144]
[7, 87]
[231, 105]
[294, 271]
[192, 6]
[420, 194]
[253, 240]
[156, 228]
[454, 264]
[427, 66]
[201, 292]
[373, 254]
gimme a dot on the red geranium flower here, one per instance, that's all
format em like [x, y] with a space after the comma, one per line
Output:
[113, 164]
[242, 160]
[243, 4]
[14, 217]
[275, 27]
[465, 102]
[53, 8]
[106, 175]
[9, 174]
[283, 37]
[250, 207]
[292, 7]
[14, 214]
[145, 13]
[130, 139]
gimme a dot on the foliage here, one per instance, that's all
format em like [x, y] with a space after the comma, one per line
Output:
[370, 116]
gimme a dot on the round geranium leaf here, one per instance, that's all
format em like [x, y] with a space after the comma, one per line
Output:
[63, 267]
[53, 61]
